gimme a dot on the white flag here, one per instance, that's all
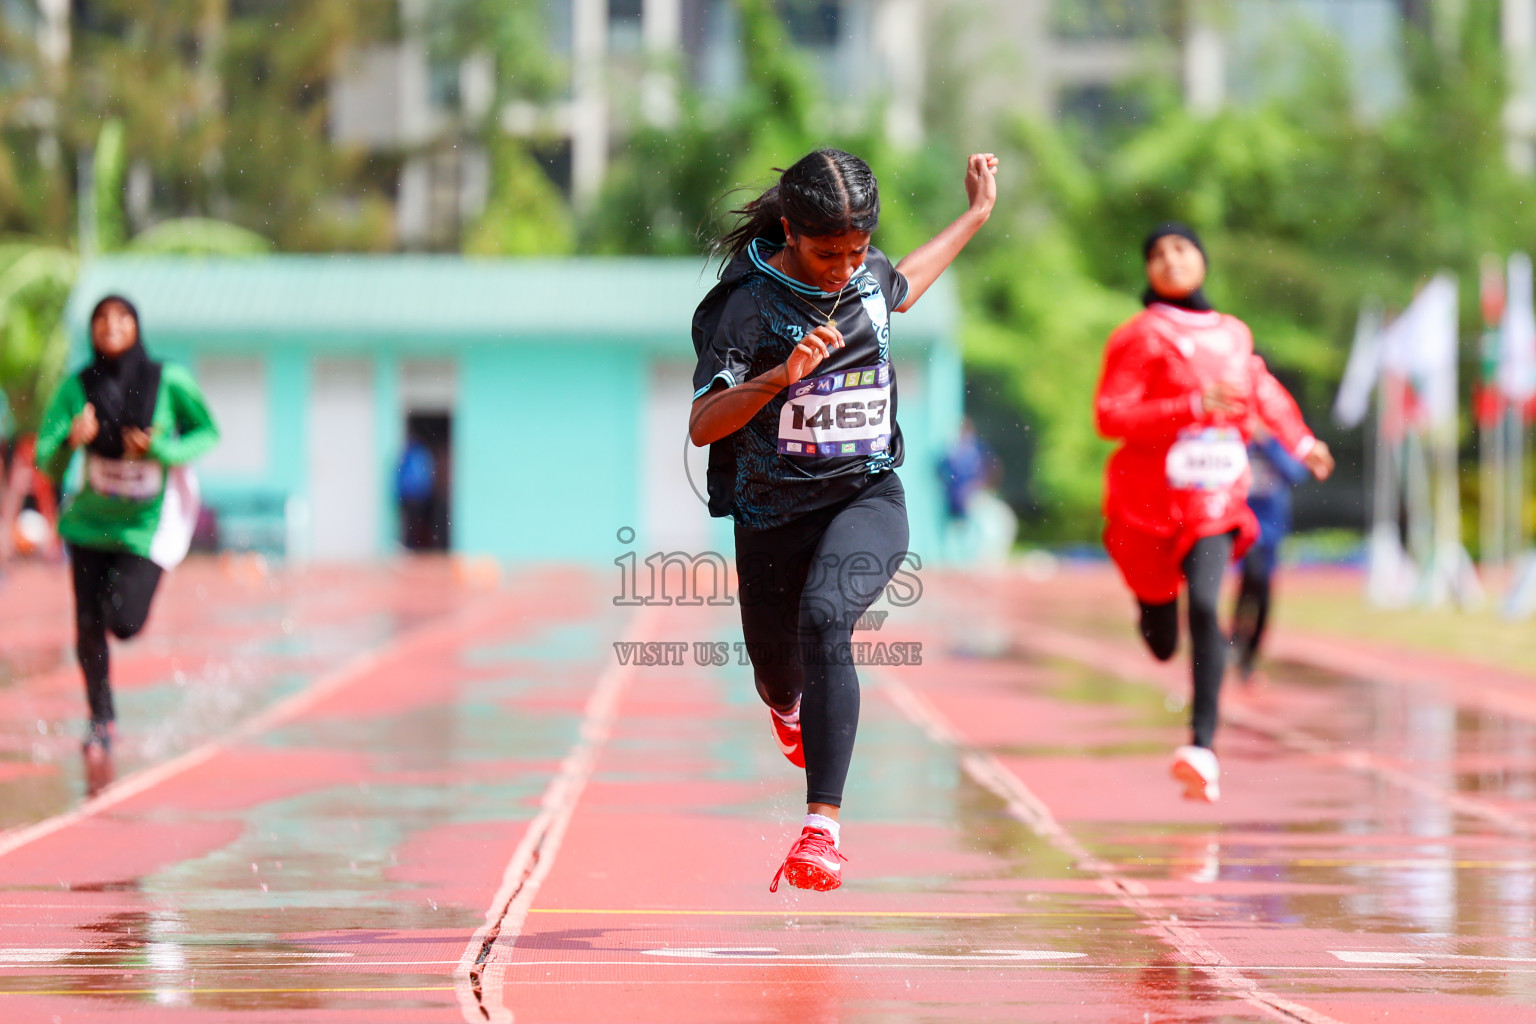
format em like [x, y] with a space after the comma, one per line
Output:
[1360, 373]
[1421, 345]
[1517, 348]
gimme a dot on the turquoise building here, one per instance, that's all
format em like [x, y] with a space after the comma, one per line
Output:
[558, 389]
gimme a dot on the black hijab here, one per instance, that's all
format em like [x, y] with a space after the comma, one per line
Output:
[123, 389]
[1196, 299]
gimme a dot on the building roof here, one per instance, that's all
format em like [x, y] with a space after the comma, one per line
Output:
[427, 303]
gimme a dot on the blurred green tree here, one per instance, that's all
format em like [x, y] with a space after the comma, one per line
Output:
[671, 188]
[525, 213]
[36, 278]
[224, 111]
[1306, 210]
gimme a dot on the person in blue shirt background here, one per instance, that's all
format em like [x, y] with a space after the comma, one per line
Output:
[979, 526]
[1275, 472]
[415, 487]
[968, 466]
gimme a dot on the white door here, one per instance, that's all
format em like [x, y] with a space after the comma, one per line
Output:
[236, 391]
[344, 490]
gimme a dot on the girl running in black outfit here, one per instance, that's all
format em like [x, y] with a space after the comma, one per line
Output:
[795, 393]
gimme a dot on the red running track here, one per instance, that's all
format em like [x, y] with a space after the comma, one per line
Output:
[484, 815]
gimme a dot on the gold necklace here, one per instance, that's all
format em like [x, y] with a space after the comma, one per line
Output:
[832, 316]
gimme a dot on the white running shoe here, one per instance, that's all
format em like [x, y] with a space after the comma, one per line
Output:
[1196, 767]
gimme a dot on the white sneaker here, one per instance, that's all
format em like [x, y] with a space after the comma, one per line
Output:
[1196, 767]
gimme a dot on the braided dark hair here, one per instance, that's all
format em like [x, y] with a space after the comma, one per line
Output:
[825, 192]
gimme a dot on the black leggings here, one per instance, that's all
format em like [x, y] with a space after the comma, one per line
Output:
[1251, 613]
[1204, 567]
[803, 587]
[113, 591]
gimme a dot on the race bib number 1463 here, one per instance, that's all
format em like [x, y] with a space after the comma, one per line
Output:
[837, 414]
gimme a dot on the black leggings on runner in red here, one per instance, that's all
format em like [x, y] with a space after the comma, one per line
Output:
[803, 587]
[1204, 567]
[1251, 613]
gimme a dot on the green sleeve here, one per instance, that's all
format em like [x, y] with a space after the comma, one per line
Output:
[194, 432]
[53, 450]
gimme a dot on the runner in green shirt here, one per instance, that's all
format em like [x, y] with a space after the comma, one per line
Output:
[138, 424]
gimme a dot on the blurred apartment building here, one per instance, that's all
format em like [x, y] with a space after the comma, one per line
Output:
[913, 63]
[918, 65]
[626, 62]
[1074, 58]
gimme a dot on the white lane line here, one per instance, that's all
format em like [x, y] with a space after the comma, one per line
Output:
[652, 966]
[1353, 956]
[479, 979]
[1028, 808]
[1370, 764]
[42, 955]
[1331, 655]
[1358, 957]
[1054, 643]
[282, 712]
[773, 953]
[13, 957]
[1358, 961]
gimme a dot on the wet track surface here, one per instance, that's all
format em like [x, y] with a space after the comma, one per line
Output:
[391, 795]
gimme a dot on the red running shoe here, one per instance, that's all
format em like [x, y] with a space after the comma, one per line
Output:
[813, 863]
[788, 736]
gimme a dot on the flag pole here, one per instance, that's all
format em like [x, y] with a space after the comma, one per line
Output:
[1517, 380]
[1493, 504]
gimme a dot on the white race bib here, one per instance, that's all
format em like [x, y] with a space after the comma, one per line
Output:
[136, 479]
[1211, 459]
[838, 414]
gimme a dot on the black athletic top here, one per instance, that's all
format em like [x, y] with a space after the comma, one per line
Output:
[819, 441]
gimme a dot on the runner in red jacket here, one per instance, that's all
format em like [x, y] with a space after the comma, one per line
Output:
[1180, 389]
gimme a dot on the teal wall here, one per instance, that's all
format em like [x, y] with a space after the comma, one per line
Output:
[538, 477]
[538, 472]
[551, 388]
[930, 421]
[287, 399]
[390, 434]
[289, 371]
[286, 386]
[546, 451]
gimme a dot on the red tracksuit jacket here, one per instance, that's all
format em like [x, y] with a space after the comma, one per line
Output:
[1182, 472]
